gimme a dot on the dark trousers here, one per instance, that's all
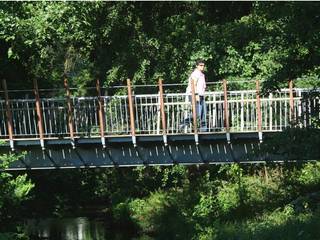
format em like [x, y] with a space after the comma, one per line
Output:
[201, 112]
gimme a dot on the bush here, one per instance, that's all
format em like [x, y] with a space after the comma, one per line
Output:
[162, 215]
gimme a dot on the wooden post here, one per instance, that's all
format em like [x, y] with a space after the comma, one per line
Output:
[291, 114]
[101, 114]
[259, 117]
[163, 115]
[39, 113]
[226, 110]
[8, 113]
[132, 125]
[70, 112]
[194, 112]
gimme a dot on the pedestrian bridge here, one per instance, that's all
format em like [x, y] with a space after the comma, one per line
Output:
[147, 129]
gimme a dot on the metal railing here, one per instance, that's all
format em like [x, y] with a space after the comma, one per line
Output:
[278, 111]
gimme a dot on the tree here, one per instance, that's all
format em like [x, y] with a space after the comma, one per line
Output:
[14, 189]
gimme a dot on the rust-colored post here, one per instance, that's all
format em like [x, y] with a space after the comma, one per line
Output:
[101, 114]
[70, 112]
[259, 117]
[163, 115]
[39, 113]
[132, 126]
[291, 114]
[226, 110]
[194, 112]
[8, 113]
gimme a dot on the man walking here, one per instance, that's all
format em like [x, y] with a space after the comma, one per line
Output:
[198, 77]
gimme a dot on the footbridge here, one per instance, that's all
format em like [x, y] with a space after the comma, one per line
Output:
[161, 127]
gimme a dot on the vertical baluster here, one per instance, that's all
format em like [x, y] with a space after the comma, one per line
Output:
[29, 128]
[131, 107]
[109, 110]
[279, 109]
[119, 112]
[4, 126]
[19, 116]
[226, 110]
[259, 118]
[242, 112]
[300, 107]
[126, 115]
[39, 113]
[194, 113]
[265, 112]
[70, 112]
[291, 116]
[24, 120]
[270, 112]
[214, 112]
[163, 115]
[168, 112]
[253, 112]
[8, 114]
[237, 112]
[13, 107]
[172, 114]
[158, 113]
[275, 112]
[285, 114]
[138, 124]
[101, 114]
[44, 104]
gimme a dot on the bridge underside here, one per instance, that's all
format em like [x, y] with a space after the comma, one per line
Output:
[150, 150]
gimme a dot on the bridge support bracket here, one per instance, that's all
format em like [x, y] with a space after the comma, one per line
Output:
[103, 141]
[134, 141]
[260, 136]
[42, 144]
[73, 144]
[196, 138]
[165, 140]
[12, 145]
[228, 137]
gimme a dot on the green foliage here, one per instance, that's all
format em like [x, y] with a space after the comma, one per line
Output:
[310, 174]
[14, 189]
[113, 41]
[294, 143]
[145, 212]
[160, 213]
[143, 41]
[228, 198]
[13, 236]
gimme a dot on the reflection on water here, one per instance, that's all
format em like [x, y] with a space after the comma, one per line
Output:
[67, 229]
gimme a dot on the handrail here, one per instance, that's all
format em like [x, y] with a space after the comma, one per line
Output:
[147, 111]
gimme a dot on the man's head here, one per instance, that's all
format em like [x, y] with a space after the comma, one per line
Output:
[200, 65]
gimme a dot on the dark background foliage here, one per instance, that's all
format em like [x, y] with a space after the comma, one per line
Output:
[145, 41]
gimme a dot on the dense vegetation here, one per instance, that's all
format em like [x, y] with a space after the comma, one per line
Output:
[273, 41]
[147, 40]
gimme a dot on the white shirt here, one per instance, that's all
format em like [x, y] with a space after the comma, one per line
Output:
[200, 82]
